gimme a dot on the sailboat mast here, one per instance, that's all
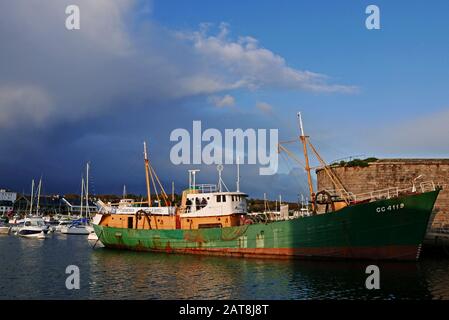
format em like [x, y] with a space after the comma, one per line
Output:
[81, 198]
[32, 196]
[147, 172]
[303, 139]
[87, 190]
[38, 195]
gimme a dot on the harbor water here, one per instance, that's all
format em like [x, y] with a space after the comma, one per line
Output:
[36, 269]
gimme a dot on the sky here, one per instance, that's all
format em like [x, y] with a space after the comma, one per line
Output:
[137, 70]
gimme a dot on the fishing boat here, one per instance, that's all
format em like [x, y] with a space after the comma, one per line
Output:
[34, 227]
[382, 225]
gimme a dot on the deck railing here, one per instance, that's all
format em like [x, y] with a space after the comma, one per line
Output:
[388, 193]
[205, 188]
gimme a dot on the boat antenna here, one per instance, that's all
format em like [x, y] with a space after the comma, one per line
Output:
[192, 178]
[147, 172]
[220, 180]
[303, 139]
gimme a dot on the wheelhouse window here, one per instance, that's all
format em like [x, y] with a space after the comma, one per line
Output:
[223, 198]
[218, 198]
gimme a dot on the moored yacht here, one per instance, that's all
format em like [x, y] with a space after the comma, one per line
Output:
[76, 228]
[33, 227]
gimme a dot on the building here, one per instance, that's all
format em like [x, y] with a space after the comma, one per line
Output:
[47, 204]
[51, 205]
[7, 200]
[381, 174]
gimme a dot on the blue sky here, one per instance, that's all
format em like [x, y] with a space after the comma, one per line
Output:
[136, 70]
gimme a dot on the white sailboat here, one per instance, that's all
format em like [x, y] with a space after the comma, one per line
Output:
[76, 227]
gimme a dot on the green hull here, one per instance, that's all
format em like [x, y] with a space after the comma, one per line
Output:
[385, 229]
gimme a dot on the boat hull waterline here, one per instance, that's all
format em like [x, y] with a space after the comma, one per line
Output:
[32, 234]
[390, 229]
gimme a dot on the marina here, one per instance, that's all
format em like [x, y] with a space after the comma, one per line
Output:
[190, 150]
[214, 231]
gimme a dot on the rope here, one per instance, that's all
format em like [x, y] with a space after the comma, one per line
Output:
[154, 184]
[164, 194]
[98, 239]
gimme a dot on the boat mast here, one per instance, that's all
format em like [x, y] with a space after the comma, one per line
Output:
[147, 172]
[265, 202]
[303, 139]
[81, 197]
[87, 190]
[38, 195]
[32, 196]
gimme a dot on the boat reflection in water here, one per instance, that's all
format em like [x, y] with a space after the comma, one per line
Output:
[36, 270]
[160, 276]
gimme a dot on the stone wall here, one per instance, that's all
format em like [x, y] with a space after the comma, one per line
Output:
[400, 173]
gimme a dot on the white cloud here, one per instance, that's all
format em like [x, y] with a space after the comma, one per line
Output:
[264, 107]
[245, 62]
[24, 104]
[224, 101]
[112, 62]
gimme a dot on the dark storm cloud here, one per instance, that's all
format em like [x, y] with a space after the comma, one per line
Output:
[67, 97]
